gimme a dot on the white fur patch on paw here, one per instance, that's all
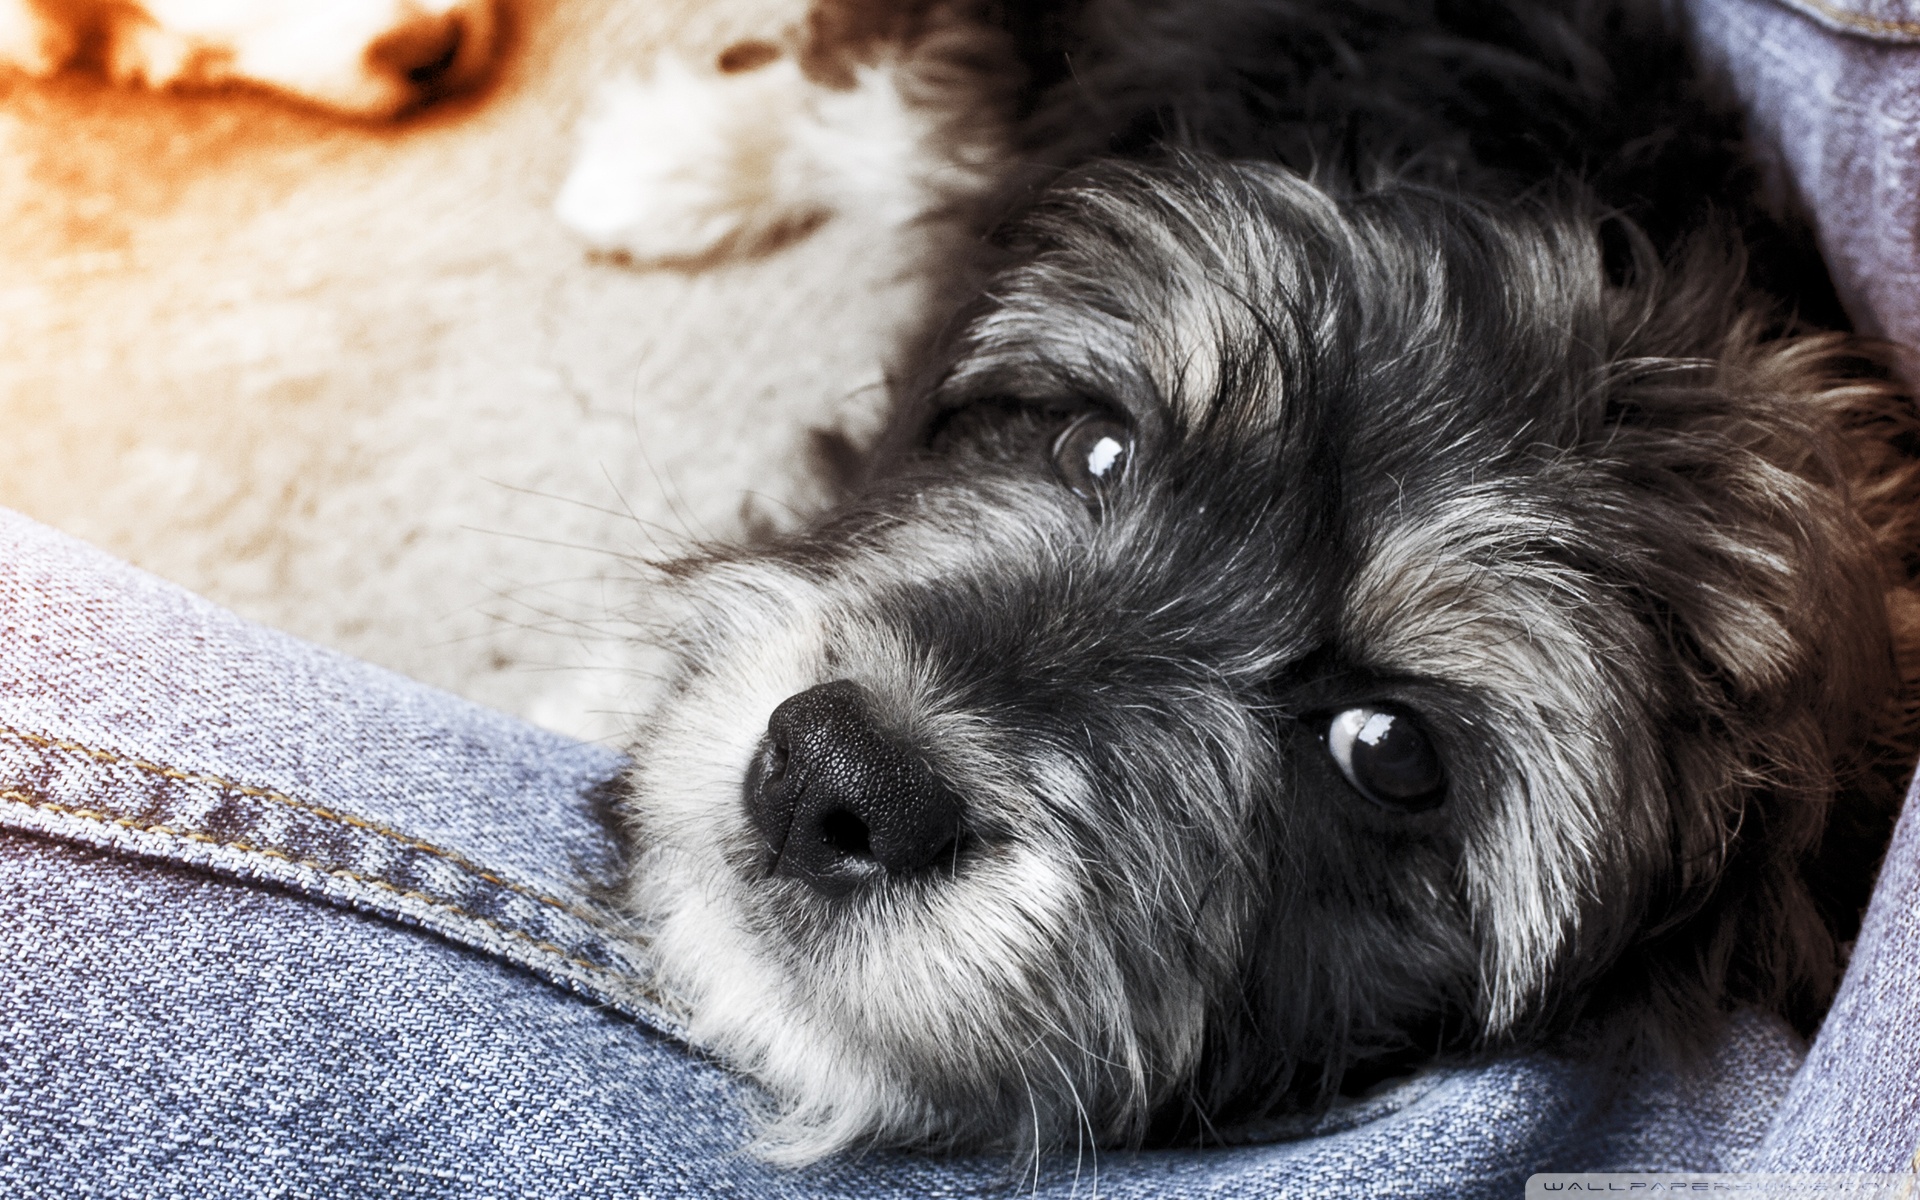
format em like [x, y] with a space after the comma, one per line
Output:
[365, 57]
[691, 164]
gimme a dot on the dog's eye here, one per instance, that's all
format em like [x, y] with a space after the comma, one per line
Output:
[1387, 757]
[1091, 455]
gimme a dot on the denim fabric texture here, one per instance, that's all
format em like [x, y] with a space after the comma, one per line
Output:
[1855, 1106]
[1836, 110]
[277, 922]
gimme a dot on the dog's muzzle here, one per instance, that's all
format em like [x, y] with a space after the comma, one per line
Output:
[842, 804]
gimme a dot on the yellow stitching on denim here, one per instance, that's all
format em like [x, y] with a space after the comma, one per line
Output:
[1866, 24]
[454, 857]
[32, 801]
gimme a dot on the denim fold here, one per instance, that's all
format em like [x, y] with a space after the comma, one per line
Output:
[275, 921]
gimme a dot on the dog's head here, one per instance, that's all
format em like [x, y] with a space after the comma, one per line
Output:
[1301, 632]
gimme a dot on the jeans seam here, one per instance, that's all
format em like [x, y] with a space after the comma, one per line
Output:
[175, 774]
[154, 827]
[1854, 20]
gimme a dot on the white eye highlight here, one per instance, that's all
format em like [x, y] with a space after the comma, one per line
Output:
[1387, 757]
[1104, 454]
[1090, 455]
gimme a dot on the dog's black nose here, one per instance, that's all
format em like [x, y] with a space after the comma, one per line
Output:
[839, 802]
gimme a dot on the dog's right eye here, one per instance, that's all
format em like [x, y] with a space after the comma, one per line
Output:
[1091, 455]
[1387, 757]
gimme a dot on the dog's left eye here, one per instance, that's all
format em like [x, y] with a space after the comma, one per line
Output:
[1091, 455]
[1387, 757]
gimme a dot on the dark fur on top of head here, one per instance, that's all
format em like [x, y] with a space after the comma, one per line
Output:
[1417, 419]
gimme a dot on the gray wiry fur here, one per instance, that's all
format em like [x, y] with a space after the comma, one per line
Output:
[1451, 437]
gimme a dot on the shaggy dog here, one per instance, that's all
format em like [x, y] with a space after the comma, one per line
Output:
[1393, 563]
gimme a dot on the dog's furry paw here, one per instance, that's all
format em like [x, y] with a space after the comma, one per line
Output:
[372, 58]
[690, 164]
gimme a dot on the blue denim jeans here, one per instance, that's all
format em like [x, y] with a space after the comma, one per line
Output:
[276, 922]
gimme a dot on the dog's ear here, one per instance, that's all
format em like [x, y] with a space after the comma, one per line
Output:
[1751, 558]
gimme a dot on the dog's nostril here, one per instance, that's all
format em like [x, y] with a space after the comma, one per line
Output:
[432, 69]
[438, 53]
[422, 50]
[838, 801]
[847, 833]
[774, 764]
